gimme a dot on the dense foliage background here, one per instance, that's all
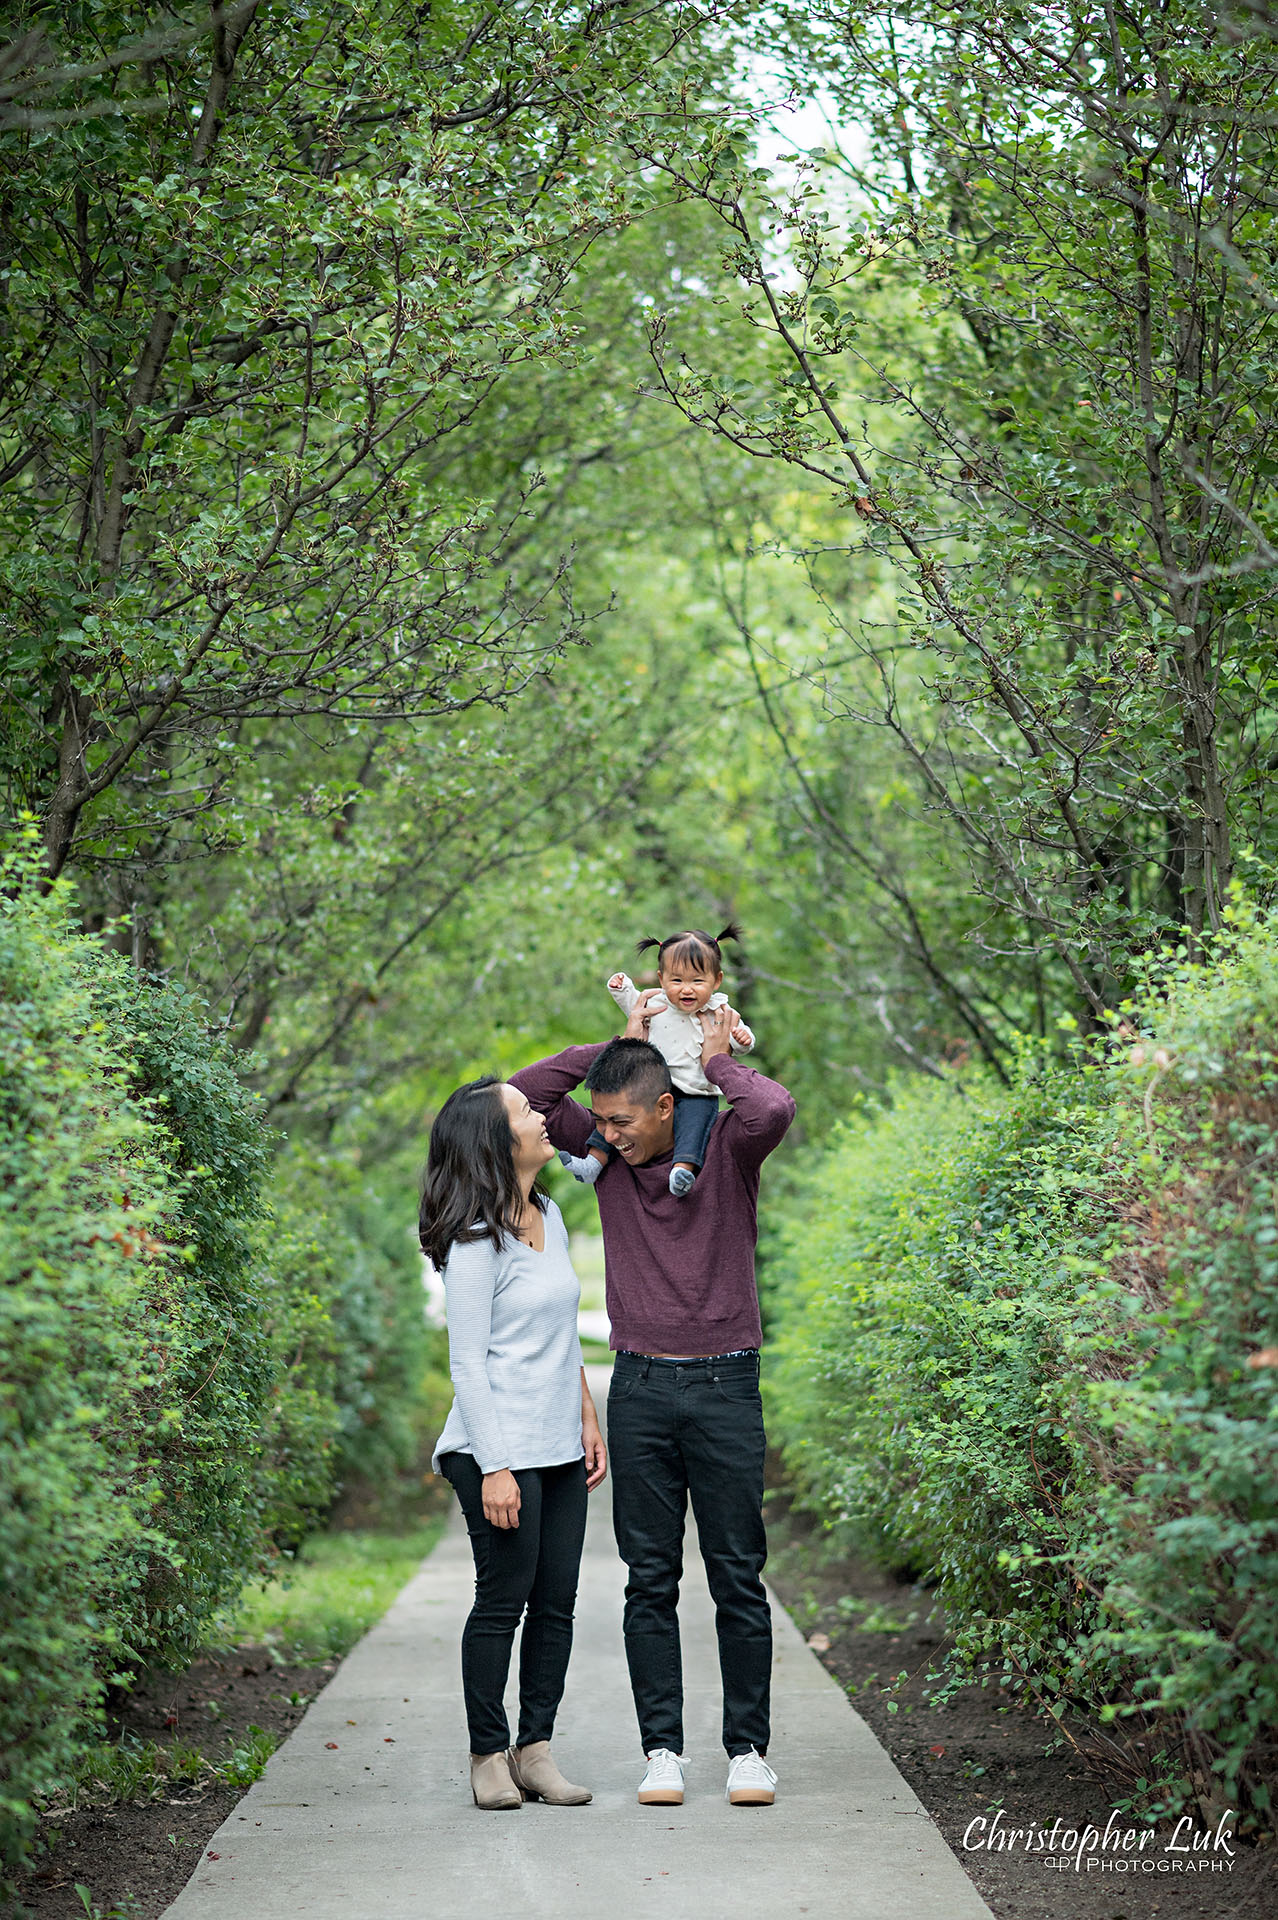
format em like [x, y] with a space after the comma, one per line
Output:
[479, 485]
[1028, 1347]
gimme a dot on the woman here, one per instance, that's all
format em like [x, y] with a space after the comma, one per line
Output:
[522, 1445]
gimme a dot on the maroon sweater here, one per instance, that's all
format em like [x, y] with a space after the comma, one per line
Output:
[680, 1273]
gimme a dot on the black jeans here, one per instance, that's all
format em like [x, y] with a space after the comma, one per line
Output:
[694, 1115]
[533, 1566]
[678, 1428]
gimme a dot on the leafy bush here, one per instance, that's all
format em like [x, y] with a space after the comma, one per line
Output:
[167, 1410]
[1026, 1345]
[925, 1303]
[295, 1280]
[387, 1349]
[1175, 1370]
[89, 1283]
[354, 1406]
[210, 1484]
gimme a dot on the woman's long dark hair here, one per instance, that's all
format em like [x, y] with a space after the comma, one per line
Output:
[469, 1189]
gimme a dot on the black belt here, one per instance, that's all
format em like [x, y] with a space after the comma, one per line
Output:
[690, 1359]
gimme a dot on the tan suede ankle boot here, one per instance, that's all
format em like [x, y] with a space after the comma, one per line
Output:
[533, 1769]
[491, 1782]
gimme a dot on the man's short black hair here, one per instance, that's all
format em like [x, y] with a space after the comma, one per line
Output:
[631, 1066]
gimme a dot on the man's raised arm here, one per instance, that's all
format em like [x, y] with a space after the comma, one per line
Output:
[761, 1108]
[547, 1085]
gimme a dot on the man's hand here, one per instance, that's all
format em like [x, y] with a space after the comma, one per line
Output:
[642, 1011]
[718, 1031]
[500, 1495]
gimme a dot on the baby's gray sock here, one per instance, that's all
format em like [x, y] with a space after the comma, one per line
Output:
[583, 1167]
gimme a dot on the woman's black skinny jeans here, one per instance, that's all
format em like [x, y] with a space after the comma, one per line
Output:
[532, 1566]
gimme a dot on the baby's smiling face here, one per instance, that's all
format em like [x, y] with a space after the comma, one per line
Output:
[688, 987]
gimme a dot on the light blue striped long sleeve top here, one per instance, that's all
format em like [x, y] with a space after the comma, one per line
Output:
[513, 1352]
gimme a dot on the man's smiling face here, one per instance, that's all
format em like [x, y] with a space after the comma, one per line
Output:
[639, 1133]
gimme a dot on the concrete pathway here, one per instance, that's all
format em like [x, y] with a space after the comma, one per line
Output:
[365, 1812]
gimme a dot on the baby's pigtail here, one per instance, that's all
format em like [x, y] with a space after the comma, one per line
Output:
[644, 945]
[731, 932]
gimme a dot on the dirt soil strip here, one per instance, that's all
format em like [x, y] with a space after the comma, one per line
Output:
[978, 1754]
[147, 1852]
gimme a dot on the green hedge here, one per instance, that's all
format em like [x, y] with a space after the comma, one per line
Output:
[87, 1270]
[137, 1368]
[199, 1339]
[1026, 1346]
[346, 1258]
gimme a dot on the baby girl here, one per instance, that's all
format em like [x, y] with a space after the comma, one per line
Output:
[689, 973]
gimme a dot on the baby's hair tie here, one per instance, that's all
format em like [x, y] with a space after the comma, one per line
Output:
[695, 945]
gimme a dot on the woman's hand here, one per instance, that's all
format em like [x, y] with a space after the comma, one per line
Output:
[592, 1439]
[596, 1451]
[500, 1496]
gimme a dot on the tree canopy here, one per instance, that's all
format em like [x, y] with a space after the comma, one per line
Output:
[465, 484]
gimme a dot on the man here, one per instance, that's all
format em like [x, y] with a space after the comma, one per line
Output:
[684, 1413]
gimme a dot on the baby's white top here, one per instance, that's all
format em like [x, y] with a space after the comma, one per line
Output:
[677, 1037]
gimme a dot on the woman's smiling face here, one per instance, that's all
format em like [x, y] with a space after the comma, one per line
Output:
[530, 1141]
[688, 986]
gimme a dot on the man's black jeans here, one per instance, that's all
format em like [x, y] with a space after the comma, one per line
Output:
[533, 1565]
[678, 1428]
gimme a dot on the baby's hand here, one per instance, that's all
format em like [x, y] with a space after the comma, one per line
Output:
[742, 1036]
[617, 982]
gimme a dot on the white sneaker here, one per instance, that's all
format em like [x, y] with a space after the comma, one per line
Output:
[751, 1781]
[662, 1785]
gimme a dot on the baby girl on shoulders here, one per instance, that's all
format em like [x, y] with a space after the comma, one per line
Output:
[690, 976]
